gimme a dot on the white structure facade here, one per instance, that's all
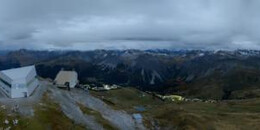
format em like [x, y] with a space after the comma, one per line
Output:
[69, 78]
[19, 82]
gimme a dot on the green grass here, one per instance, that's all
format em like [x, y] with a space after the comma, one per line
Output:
[229, 115]
[10, 118]
[51, 116]
[98, 117]
[126, 98]
[48, 116]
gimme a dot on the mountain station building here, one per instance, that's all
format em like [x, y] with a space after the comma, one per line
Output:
[19, 82]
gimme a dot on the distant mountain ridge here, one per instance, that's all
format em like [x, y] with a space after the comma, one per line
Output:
[194, 73]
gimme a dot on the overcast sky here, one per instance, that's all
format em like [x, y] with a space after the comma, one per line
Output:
[128, 24]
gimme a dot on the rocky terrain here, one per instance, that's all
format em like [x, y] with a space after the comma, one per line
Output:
[69, 104]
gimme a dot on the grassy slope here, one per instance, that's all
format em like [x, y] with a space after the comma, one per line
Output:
[99, 118]
[239, 83]
[241, 114]
[47, 116]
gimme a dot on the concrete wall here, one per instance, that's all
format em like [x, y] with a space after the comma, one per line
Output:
[32, 81]
[24, 86]
[32, 86]
[73, 82]
[6, 89]
[18, 90]
[31, 75]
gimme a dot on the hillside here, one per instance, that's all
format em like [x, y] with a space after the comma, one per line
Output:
[222, 115]
[193, 73]
[52, 108]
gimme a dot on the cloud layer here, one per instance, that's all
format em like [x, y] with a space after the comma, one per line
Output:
[139, 24]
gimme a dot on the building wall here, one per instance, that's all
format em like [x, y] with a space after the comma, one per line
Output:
[21, 87]
[5, 84]
[18, 90]
[32, 86]
[31, 75]
[32, 81]
[6, 89]
[73, 82]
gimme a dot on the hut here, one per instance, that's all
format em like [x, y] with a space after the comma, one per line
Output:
[67, 79]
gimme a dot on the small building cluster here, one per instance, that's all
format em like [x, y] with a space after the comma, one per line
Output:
[103, 87]
[173, 98]
[19, 82]
[177, 98]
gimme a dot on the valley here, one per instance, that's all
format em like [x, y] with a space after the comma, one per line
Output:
[216, 75]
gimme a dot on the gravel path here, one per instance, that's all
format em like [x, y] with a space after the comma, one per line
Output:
[120, 119]
[71, 109]
[68, 103]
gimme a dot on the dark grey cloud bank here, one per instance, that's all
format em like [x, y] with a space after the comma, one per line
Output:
[124, 24]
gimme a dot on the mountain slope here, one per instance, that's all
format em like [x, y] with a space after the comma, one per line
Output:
[195, 73]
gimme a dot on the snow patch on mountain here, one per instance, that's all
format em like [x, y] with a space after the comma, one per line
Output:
[143, 75]
[154, 76]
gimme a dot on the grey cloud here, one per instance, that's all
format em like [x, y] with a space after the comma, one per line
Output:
[140, 24]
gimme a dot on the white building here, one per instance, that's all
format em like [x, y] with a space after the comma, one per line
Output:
[66, 79]
[19, 82]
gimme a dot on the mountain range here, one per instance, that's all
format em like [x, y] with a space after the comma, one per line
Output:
[206, 74]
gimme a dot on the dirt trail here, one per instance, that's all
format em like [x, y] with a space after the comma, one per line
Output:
[120, 119]
[71, 109]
